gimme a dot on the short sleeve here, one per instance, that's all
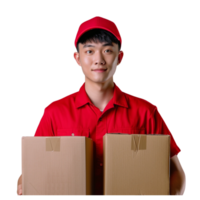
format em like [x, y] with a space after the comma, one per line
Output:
[156, 125]
[45, 127]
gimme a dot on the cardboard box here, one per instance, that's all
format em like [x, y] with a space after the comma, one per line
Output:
[136, 164]
[57, 165]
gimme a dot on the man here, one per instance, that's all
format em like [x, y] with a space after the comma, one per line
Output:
[100, 107]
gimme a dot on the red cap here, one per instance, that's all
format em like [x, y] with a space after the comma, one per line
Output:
[98, 22]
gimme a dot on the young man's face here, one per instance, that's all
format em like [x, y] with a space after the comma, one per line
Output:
[93, 56]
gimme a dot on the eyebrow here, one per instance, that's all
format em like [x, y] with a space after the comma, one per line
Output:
[89, 45]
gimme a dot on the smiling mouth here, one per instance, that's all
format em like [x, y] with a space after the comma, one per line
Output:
[100, 70]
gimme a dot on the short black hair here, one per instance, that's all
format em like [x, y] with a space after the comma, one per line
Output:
[98, 35]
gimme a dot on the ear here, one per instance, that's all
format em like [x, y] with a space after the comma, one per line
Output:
[120, 56]
[77, 58]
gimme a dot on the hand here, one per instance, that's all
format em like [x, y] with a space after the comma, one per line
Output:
[18, 185]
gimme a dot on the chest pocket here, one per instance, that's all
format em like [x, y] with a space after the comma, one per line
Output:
[73, 132]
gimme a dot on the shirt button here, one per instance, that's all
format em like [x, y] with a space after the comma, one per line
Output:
[101, 164]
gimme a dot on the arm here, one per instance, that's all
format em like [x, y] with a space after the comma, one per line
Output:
[177, 177]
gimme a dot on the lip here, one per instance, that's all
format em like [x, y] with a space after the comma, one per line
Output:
[100, 70]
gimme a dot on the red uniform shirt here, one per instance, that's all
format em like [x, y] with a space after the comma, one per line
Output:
[123, 114]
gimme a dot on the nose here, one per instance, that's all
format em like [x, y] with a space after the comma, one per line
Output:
[99, 59]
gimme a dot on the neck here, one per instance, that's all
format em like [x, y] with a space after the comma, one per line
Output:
[99, 93]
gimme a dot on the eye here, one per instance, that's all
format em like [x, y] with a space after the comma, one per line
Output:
[87, 51]
[108, 50]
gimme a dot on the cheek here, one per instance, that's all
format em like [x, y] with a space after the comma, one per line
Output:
[112, 60]
[86, 61]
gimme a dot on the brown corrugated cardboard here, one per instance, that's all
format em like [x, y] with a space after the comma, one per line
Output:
[136, 164]
[57, 165]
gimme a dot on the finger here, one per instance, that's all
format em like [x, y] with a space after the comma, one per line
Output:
[19, 189]
[20, 192]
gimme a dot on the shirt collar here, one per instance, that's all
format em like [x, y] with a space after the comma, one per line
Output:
[118, 97]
